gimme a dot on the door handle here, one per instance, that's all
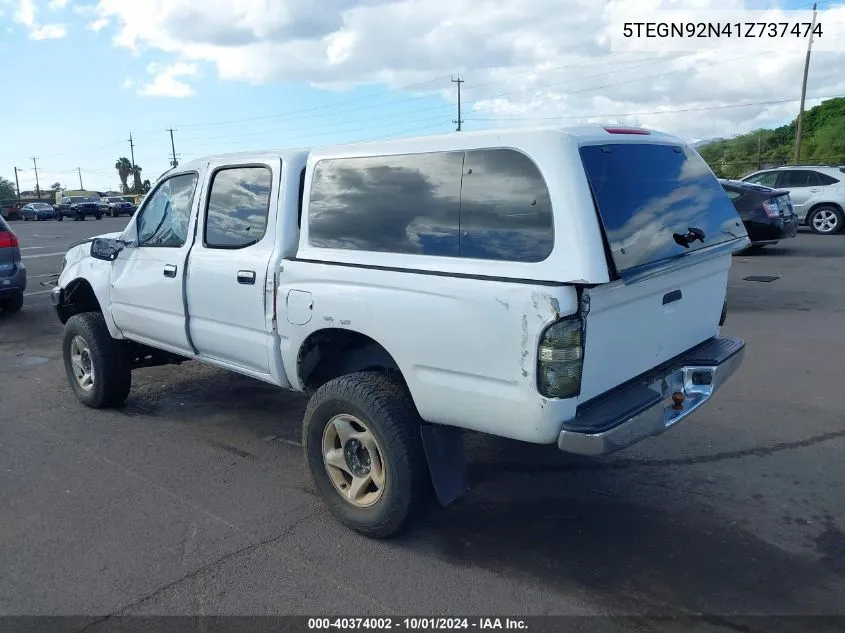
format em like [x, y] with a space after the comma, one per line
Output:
[169, 270]
[246, 277]
[814, 190]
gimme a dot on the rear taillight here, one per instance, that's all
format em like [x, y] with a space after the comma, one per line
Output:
[8, 239]
[771, 208]
[560, 357]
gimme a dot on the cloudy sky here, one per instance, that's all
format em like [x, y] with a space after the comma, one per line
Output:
[81, 74]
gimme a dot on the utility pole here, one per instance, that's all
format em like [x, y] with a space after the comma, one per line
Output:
[132, 153]
[17, 184]
[798, 127]
[458, 81]
[79, 171]
[173, 162]
[37, 186]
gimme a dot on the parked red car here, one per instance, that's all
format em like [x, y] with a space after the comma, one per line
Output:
[11, 209]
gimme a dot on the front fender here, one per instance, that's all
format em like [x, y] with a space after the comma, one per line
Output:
[80, 266]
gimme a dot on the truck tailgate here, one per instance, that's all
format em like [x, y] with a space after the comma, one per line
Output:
[670, 230]
[632, 328]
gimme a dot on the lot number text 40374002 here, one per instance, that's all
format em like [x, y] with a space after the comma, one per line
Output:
[416, 624]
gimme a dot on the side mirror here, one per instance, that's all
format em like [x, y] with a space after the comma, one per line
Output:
[106, 248]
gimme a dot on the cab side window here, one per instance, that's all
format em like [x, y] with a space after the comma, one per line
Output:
[237, 207]
[164, 219]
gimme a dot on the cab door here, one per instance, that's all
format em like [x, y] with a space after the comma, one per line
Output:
[147, 278]
[229, 300]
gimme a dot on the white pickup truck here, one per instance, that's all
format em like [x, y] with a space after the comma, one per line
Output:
[547, 285]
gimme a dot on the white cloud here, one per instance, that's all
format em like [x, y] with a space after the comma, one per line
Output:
[25, 13]
[166, 83]
[99, 24]
[48, 32]
[57, 5]
[523, 60]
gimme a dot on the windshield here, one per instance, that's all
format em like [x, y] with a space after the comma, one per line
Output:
[78, 199]
[42, 205]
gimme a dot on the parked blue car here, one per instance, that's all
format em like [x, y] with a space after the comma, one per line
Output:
[12, 270]
[38, 211]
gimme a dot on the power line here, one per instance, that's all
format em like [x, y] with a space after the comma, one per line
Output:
[642, 113]
[373, 126]
[311, 112]
[312, 109]
[335, 126]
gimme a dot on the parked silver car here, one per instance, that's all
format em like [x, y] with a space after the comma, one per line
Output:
[817, 193]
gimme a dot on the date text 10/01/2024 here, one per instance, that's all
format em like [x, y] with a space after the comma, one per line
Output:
[416, 624]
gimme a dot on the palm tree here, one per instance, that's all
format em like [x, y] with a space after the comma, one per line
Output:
[136, 177]
[124, 168]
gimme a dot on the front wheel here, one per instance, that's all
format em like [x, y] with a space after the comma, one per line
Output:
[60, 218]
[362, 444]
[96, 364]
[825, 220]
[99, 216]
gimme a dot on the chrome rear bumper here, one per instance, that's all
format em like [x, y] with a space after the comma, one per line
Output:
[645, 408]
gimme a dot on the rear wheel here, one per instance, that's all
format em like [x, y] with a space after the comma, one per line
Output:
[96, 364]
[361, 438]
[60, 218]
[825, 220]
[13, 303]
[99, 216]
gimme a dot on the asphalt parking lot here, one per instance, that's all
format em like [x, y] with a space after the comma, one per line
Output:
[193, 498]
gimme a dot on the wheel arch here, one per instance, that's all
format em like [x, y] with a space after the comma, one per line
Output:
[329, 353]
[835, 205]
[81, 295]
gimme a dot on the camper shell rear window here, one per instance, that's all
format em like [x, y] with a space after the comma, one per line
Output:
[649, 196]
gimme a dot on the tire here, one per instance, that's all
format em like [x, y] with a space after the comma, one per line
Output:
[825, 220]
[99, 216]
[60, 218]
[12, 304]
[384, 408]
[108, 360]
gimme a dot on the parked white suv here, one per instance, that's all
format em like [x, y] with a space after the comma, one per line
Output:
[817, 192]
[549, 285]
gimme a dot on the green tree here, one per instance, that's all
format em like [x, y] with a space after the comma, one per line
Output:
[823, 142]
[136, 177]
[124, 170]
[56, 186]
[7, 189]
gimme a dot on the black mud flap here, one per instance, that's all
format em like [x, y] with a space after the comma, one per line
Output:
[444, 450]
